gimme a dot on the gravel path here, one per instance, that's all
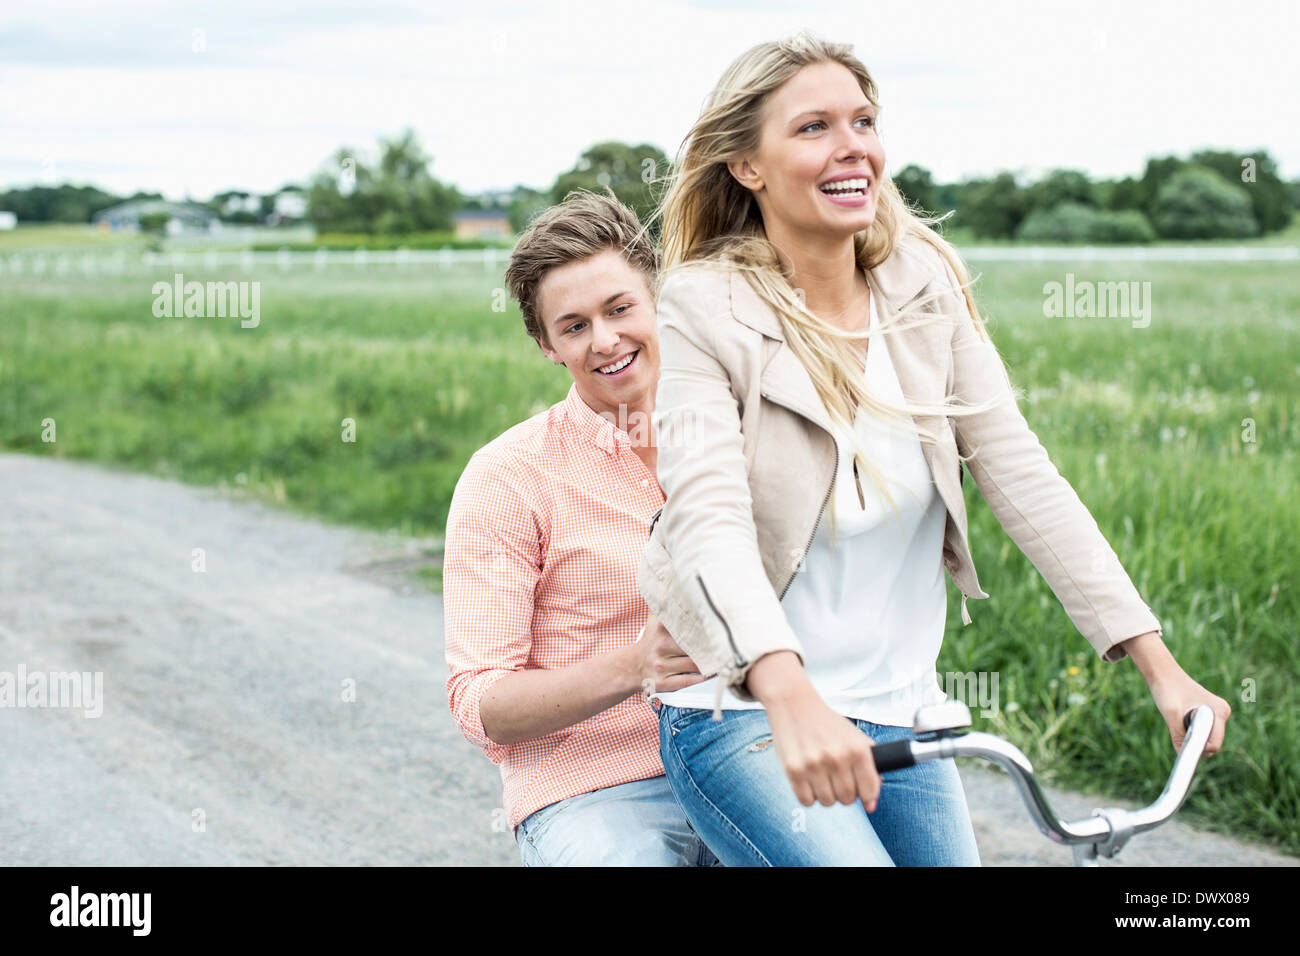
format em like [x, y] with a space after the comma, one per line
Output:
[226, 736]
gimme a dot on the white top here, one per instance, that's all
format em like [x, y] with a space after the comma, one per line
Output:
[870, 611]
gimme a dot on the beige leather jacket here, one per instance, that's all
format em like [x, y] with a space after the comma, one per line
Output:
[746, 460]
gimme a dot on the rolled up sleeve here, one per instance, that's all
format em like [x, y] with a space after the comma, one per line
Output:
[491, 568]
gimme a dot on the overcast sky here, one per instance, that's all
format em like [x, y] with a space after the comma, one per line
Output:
[194, 98]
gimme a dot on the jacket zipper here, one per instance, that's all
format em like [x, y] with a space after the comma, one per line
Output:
[829, 488]
[723, 680]
[739, 661]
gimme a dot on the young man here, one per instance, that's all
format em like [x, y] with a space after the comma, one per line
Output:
[544, 619]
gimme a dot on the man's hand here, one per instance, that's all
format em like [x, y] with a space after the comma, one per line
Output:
[659, 666]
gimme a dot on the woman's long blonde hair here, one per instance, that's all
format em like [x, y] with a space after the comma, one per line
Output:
[710, 219]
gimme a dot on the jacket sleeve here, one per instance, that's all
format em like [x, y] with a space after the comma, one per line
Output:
[707, 522]
[1035, 505]
[491, 567]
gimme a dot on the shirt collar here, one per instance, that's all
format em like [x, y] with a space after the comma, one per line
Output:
[596, 428]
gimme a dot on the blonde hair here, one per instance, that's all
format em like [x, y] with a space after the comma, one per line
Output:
[584, 224]
[709, 219]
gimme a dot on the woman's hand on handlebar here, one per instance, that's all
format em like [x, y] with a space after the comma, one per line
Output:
[1175, 693]
[826, 757]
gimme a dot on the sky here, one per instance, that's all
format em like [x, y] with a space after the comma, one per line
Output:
[190, 99]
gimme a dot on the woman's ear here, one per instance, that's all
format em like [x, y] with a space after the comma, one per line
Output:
[746, 175]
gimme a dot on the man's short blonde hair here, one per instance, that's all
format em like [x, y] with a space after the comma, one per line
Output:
[585, 224]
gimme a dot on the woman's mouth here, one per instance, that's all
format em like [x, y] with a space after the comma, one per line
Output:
[620, 367]
[847, 192]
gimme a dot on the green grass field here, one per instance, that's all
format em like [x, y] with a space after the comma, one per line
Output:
[1146, 423]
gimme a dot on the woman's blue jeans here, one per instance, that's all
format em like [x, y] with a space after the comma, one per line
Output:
[732, 788]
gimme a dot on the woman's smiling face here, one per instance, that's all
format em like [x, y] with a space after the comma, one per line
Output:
[818, 127]
[597, 313]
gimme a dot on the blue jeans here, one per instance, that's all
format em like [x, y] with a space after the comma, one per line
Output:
[735, 793]
[631, 824]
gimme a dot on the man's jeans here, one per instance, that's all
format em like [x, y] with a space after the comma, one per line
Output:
[735, 793]
[632, 824]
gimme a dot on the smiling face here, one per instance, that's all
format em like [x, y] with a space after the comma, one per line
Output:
[818, 128]
[598, 312]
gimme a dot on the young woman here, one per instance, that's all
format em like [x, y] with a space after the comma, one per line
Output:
[821, 357]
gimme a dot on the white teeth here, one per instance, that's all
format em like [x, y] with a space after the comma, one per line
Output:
[611, 369]
[845, 186]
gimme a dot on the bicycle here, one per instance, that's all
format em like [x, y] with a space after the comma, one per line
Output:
[937, 729]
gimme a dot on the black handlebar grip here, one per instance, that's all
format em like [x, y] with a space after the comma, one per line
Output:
[893, 756]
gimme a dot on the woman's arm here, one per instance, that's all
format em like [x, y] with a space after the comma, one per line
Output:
[1044, 516]
[707, 524]
[1174, 691]
[709, 532]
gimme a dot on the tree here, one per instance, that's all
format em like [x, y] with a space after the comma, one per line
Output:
[399, 195]
[1158, 171]
[918, 188]
[1061, 186]
[629, 171]
[1074, 222]
[1198, 203]
[1120, 194]
[525, 204]
[62, 203]
[1257, 173]
[992, 208]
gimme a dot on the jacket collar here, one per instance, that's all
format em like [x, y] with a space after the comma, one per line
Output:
[896, 281]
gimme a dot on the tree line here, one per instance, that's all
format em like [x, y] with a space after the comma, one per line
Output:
[1212, 194]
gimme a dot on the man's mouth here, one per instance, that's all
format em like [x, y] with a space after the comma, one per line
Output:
[615, 369]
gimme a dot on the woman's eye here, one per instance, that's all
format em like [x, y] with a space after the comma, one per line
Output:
[871, 121]
[619, 310]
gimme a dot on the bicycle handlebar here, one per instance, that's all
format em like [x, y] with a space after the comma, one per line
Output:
[1108, 829]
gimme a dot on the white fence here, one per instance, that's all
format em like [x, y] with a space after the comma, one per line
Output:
[120, 263]
[38, 264]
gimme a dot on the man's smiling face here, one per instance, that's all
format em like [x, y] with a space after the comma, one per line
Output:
[600, 318]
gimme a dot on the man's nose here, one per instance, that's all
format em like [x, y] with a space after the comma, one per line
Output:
[603, 337]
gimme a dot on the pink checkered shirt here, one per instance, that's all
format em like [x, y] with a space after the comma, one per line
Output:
[544, 535]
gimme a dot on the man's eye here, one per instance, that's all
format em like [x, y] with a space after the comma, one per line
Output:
[619, 310]
[573, 327]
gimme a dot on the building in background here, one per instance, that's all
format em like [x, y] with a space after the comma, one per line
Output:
[182, 218]
[482, 224]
